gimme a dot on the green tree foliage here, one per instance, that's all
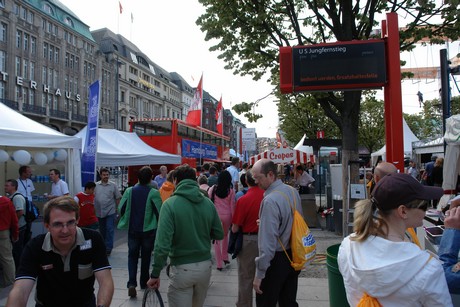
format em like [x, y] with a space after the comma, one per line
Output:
[372, 124]
[301, 114]
[248, 34]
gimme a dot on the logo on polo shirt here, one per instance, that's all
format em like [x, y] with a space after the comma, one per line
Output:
[47, 267]
[87, 245]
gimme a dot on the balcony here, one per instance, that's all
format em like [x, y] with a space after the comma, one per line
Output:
[59, 114]
[37, 110]
[10, 103]
[79, 118]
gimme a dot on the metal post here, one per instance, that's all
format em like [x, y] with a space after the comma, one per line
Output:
[445, 88]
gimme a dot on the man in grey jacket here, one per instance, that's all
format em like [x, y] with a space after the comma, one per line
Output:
[275, 280]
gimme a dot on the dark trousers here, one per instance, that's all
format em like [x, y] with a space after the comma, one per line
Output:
[280, 283]
[143, 242]
[18, 246]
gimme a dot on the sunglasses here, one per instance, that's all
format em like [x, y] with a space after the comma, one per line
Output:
[423, 205]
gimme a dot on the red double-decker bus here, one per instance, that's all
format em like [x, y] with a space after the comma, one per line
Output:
[196, 145]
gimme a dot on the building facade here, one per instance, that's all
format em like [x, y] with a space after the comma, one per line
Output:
[49, 58]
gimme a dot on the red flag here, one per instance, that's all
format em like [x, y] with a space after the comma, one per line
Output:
[220, 117]
[121, 8]
[194, 113]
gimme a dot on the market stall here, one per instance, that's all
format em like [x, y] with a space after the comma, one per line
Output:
[26, 142]
[283, 156]
[118, 148]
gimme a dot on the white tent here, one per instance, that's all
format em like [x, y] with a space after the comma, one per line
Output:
[118, 148]
[20, 132]
[409, 137]
[306, 149]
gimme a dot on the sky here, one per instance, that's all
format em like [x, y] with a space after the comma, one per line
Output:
[166, 32]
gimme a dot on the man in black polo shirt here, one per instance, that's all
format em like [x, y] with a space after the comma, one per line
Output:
[65, 263]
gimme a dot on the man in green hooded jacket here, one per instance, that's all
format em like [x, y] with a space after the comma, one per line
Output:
[139, 212]
[188, 223]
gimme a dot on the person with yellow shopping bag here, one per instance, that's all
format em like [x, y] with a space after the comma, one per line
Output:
[379, 264]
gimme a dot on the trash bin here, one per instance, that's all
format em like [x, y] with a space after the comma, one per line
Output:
[337, 295]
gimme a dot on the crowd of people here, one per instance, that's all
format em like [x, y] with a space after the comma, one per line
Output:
[181, 215]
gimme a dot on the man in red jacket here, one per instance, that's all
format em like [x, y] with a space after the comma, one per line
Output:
[9, 230]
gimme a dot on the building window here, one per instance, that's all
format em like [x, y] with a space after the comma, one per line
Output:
[48, 9]
[25, 69]
[56, 55]
[45, 50]
[32, 71]
[2, 3]
[33, 45]
[68, 21]
[18, 66]
[2, 90]
[15, 9]
[30, 17]
[3, 32]
[18, 39]
[23, 13]
[32, 97]
[26, 42]
[2, 61]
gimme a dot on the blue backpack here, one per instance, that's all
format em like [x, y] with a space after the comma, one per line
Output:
[31, 213]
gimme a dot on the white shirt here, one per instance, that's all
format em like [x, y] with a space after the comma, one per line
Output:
[26, 187]
[59, 188]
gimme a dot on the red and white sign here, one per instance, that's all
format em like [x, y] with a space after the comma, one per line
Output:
[320, 134]
[283, 155]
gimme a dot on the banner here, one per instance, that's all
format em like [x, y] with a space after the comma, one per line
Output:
[194, 113]
[192, 149]
[88, 158]
[220, 117]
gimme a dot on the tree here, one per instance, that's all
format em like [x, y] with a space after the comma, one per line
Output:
[371, 124]
[248, 35]
[299, 115]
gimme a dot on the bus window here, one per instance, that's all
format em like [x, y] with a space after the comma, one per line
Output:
[152, 128]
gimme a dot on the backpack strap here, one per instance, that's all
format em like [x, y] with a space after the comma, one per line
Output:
[292, 208]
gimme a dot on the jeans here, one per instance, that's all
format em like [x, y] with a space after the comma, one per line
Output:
[143, 242]
[107, 228]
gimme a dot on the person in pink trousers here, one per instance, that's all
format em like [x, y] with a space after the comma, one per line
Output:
[223, 196]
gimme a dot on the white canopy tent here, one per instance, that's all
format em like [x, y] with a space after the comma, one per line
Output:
[20, 132]
[409, 137]
[306, 149]
[118, 148]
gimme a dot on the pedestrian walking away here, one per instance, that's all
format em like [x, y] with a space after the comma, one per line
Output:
[139, 213]
[275, 280]
[106, 200]
[223, 197]
[245, 220]
[188, 223]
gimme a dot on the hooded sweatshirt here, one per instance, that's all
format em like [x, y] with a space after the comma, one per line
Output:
[396, 273]
[188, 223]
[166, 190]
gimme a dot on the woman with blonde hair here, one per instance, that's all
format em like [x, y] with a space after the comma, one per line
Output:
[378, 261]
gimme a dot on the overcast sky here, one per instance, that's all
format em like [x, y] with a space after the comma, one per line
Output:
[166, 32]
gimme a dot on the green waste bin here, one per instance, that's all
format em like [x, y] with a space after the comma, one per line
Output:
[337, 295]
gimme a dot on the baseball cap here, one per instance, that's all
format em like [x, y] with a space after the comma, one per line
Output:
[398, 189]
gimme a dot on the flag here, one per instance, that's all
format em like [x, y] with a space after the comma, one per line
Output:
[121, 7]
[132, 18]
[220, 117]
[194, 113]
[88, 158]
